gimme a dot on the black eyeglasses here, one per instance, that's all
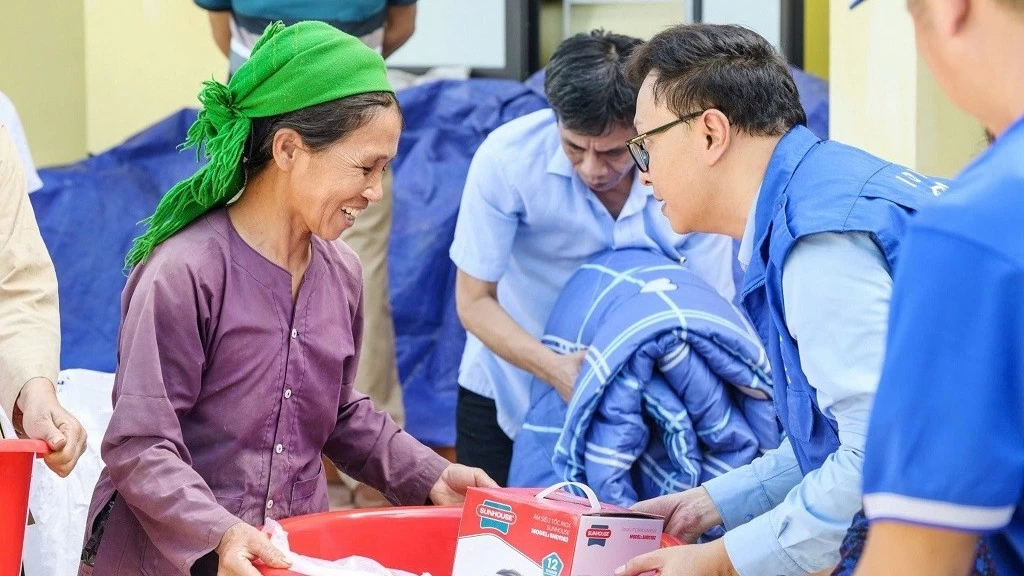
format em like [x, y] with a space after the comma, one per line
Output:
[637, 148]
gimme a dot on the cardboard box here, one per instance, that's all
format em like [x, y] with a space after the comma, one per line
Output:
[529, 532]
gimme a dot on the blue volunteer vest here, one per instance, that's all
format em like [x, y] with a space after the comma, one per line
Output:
[810, 187]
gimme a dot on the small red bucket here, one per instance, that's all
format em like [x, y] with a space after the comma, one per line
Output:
[16, 458]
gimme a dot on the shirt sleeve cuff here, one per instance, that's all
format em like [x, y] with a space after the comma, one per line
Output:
[737, 496]
[216, 534]
[417, 493]
[9, 394]
[415, 471]
[754, 550]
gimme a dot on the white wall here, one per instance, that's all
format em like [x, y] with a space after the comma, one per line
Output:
[884, 99]
[761, 16]
[475, 37]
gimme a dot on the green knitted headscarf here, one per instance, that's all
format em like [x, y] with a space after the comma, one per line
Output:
[291, 68]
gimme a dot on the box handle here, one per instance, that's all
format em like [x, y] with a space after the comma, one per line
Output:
[595, 504]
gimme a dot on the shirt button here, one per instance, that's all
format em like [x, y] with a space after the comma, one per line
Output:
[295, 333]
[288, 393]
[270, 504]
[279, 448]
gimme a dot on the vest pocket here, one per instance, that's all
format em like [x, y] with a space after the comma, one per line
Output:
[808, 429]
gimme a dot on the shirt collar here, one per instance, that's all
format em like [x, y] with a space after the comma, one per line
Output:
[559, 163]
[788, 154]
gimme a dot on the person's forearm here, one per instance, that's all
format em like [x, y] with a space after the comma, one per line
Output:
[804, 532]
[894, 548]
[220, 27]
[368, 446]
[488, 321]
[398, 28]
[30, 325]
[186, 522]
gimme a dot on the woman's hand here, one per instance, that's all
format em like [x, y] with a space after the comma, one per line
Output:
[450, 488]
[242, 544]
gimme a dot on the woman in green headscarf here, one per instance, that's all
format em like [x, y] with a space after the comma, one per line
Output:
[242, 321]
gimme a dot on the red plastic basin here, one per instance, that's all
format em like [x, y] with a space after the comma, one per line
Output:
[16, 458]
[417, 539]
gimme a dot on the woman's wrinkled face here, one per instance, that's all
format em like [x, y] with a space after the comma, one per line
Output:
[331, 187]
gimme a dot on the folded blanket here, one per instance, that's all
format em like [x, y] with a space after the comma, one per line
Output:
[675, 388]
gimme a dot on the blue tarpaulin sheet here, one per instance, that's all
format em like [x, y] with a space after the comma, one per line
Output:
[88, 214]
[445, 122]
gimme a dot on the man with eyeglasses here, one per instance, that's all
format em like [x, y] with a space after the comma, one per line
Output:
[544, 194]
[724, 145]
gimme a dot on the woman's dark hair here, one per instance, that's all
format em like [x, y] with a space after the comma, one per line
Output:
[319, 126]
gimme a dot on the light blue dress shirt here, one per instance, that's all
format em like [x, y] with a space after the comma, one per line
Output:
[528, 222]
[836, 297]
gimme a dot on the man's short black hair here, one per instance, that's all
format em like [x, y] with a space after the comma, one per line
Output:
[586, 83]
[726, 67]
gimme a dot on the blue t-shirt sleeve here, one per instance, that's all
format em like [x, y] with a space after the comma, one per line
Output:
[401, 2]
[488, 217]
[214, 5]
[946, 441]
